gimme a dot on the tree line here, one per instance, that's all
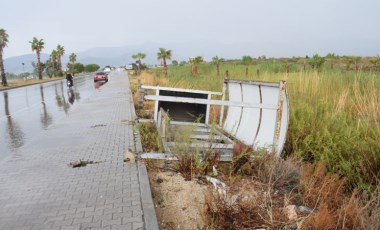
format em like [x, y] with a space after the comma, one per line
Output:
[316, 62]
[52, 67]
[164, 55]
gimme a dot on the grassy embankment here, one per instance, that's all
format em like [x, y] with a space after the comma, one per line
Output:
[26, 82]
[334, 123]
[20, 83]
[334, 114]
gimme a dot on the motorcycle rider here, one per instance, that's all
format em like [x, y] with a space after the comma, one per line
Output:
[70, 78]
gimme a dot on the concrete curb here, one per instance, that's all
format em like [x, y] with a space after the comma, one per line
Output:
[150, 217]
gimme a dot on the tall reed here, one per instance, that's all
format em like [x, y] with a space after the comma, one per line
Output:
[333, 113]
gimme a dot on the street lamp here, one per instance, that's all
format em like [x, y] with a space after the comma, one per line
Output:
[23, 67]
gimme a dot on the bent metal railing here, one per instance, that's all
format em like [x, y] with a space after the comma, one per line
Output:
[262, 127]
[257, 112]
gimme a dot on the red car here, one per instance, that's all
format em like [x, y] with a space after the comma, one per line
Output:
[101, 76]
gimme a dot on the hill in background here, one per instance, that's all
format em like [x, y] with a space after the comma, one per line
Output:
[121, 56]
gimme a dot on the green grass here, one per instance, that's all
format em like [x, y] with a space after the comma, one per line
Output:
[334, 114]
[20, 83]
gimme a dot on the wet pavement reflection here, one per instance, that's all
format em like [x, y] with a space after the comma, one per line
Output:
[99, 84]
[14, 136]
[32, 109]
[46, 118]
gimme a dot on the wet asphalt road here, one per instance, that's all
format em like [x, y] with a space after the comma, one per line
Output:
[39, 189]
[26, 111]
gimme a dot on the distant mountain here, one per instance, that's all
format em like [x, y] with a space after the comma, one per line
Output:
[180, 51]
[14, 64]
[118, 56]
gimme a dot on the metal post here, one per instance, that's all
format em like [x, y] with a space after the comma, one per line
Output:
[207, 118]
[156, 105]
[279, 115]
[223, 99]
[140, 91]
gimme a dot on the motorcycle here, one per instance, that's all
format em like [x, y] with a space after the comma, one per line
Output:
[68, 83]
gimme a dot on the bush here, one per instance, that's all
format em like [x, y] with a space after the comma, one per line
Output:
[317, 62]
[91, 67]
[79, 68]
[150, 139]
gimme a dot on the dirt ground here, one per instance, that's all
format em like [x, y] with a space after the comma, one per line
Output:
[179, 204]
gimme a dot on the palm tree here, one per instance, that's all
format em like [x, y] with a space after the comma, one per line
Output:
[38, 45]
[216, 61]
[316, 62]
[53, 61]
[164, 55]
[60, 52]
[73, 59]
[3, 44]
[247, 60]
[138, 58]
[194, 64]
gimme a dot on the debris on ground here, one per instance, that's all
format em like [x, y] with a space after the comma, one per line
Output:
[95, 126]
[82, 163]
[179, 204]
[129, 156]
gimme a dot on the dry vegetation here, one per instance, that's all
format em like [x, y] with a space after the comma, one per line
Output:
[319, 185]
[179, 203]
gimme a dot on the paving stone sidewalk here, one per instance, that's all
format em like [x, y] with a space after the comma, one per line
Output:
[39, 191]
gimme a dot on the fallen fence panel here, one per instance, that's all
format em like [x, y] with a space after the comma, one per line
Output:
[257, 114]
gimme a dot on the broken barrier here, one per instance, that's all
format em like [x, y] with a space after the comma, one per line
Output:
[253, 112]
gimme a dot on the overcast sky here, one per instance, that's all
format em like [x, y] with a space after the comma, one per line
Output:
[274, 27]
